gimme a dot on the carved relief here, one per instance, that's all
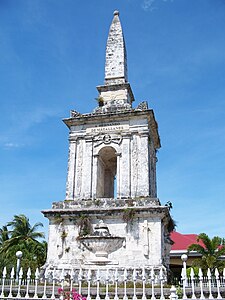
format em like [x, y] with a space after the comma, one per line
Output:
[107, 139]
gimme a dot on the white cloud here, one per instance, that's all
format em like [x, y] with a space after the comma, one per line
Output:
[12, 145]
[148, 5]
[151, 4]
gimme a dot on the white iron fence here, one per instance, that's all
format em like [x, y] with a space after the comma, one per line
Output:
[110, 284]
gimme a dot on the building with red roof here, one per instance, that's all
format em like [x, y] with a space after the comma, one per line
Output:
[181, 242]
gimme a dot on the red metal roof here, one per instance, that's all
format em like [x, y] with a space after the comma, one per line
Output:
[182, 241]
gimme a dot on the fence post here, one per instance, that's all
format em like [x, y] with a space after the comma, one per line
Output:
[183, 278]
[116, 284]
[192, 284]
[217, 275]
[125, 284]
[161, 278]
[89, 284]
[71, 279]
[37, 275]
[53, 284]
[80, 277]
[12, 274]
[143, 284]
[19, 283]
[45, 283]
[107, 285]
[28, 282]
[152, 278]
[98, 283]
[3, 282]
[210, 284]
[134, 281]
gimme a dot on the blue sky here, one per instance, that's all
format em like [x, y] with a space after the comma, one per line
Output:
[51, 59]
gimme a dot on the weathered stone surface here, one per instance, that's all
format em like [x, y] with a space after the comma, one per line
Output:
[111, 177]
[142, 245]
[116, 57]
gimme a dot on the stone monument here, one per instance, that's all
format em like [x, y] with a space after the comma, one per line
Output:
[111, 216]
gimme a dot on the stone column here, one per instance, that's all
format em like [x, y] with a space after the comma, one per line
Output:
[118, 176]
[87, 169]
[134, 165]
[143, 167]
[94, 175]
[125, 167]
[152, 167]
[71, 170]
[79, 168]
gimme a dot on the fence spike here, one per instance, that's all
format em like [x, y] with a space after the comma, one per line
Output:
[217, 275]
[152, 278]
[134, 281]
[19, 283]
[200, 276]
[80, 277]
[183, 278]
[12, 274]
[161, 278]
[4, 273]
[107, 285]
[3, 281]
[21, 273]
[72, 273]
[89, 284]
[37, 275]
[45, 283]
[53, 284]
[192, 275]
[124, 275]
[209, 276]
[143, 277]
[98, 281]
[28, 273]
[125, 284]
[28, 283]
[116, 278]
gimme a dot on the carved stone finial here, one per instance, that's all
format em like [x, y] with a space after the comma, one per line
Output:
[143, 105]
[74, 113]
[116, 13]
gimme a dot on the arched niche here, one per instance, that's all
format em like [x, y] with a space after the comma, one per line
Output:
[106, 172]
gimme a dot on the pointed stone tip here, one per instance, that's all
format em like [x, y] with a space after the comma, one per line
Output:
[116, 13]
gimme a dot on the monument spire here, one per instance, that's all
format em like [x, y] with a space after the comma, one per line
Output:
[116, 57]
[116, 93]
[111, 171]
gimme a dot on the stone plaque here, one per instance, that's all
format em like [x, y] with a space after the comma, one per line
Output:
[107, 129]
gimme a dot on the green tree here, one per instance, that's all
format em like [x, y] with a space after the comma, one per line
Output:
[211, 252]
[21, 235]
[4, 236]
